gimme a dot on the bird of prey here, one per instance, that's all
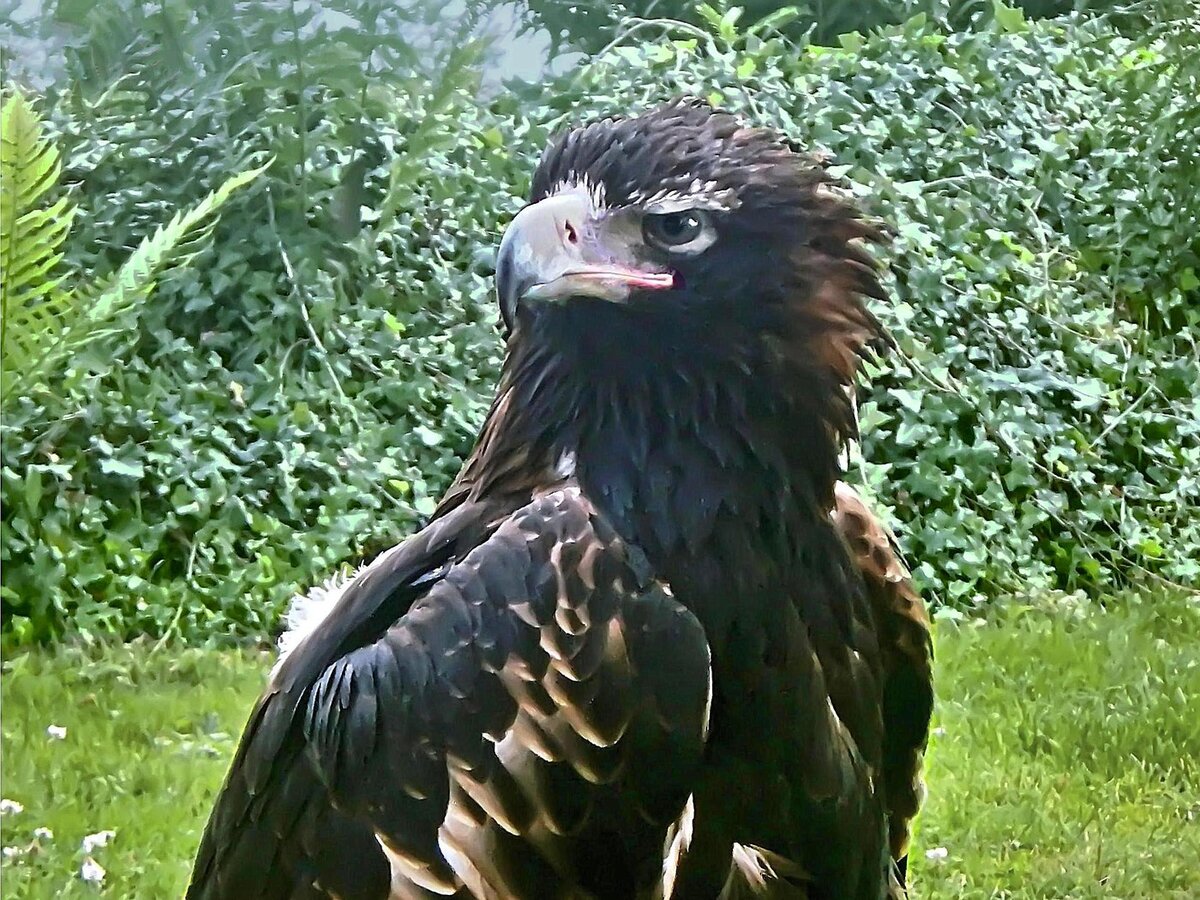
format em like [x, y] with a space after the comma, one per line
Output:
[649, 645]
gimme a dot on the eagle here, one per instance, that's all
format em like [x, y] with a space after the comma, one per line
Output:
[650, 644]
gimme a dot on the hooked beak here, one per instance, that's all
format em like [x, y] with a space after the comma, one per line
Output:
[551, 252]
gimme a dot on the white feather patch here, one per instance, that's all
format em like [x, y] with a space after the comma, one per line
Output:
[565, 467]
[849, 448]
[593, 190]
[697, 195]
[676, 201]
[679, 839]
[751, 867]
[306, 612]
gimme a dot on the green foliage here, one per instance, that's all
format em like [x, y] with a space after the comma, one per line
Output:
[44, 324]
[31, 238]
[301, 398]
[1066, 764]
[590, 25]
[1085, 788]
[148, 738]
[304, 397]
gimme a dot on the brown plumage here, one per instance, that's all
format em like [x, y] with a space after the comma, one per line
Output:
[649, 645]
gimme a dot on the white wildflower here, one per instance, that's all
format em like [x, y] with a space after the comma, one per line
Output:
[56, 732]
[10, 807]
[13, 852]
[937, 854]
[938, 732]
[91, 871]
[43, 834]
[99, 839]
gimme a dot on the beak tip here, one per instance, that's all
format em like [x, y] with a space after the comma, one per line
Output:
[509, 285]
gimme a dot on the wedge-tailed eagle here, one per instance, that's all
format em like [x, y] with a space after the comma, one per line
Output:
[650, 645]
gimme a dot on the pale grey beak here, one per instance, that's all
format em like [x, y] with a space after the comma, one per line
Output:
[553, 251]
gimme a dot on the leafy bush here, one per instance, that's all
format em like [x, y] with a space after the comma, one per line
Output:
[590, 25]
[301, 398]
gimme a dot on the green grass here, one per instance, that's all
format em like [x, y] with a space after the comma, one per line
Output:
[1067, 763]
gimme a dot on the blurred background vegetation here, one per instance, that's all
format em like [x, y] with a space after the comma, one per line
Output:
[290, 384]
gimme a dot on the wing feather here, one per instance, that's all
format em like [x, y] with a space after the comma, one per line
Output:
[482, 711]
[902, 624]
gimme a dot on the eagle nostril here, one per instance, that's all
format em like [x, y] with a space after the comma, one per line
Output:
[569, 231]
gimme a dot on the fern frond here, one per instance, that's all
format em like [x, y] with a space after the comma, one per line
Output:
[29, 163]
[165, 248]
[32, 302]
[44, 324]
[104, 303]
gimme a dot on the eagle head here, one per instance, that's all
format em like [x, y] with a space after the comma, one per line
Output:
[687, 218]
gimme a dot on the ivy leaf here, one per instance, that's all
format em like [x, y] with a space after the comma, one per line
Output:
[125, 468]
[727, 27]
[1010, 18]
[910, 400]
[851, 41]
[394, 325]
[427, 436]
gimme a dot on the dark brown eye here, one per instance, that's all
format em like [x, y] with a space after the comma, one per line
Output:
[670, 230]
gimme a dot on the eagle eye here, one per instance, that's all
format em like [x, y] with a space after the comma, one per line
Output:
[680, 231]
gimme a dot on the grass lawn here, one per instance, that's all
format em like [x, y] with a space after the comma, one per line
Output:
[1066, 761]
